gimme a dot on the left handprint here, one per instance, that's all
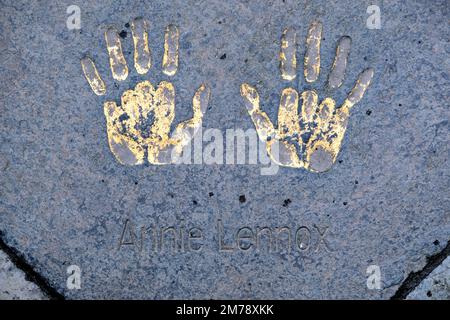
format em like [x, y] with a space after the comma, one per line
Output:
[140, 127]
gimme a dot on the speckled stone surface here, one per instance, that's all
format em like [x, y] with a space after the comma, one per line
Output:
[65, 200]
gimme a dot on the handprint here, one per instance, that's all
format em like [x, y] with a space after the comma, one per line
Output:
[140, 127]
[311, 139]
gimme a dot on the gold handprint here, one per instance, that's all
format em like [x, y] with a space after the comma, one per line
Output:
[311, 139]
[140, 127]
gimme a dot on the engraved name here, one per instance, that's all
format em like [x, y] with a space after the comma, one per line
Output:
[223, 238]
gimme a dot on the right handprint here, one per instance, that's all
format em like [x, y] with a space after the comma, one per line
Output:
[311, 139]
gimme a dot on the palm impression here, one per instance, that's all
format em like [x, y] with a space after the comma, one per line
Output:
[311, 139]
[139, 128]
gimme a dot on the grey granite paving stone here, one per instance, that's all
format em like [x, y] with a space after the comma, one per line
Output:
[65, 200]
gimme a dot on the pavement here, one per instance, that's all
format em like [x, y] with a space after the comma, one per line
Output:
[14, 284]
[85, 226]
[436, 286]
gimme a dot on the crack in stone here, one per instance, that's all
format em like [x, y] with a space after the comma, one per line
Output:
[30, 274]
[415, 278]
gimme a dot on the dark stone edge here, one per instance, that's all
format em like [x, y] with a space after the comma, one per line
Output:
[30, 274]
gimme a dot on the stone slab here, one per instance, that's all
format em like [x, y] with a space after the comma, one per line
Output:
[65, 200]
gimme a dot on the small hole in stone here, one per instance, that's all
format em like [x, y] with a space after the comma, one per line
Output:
[211, 194]
[344, 203]
[136, 183]
[369, 112]
[429, 294]
[242, 198]
[194, 202]
[356, 182]
[123, 34]
[127, 25]
[223, 57]
[286, 202]
[436, 242]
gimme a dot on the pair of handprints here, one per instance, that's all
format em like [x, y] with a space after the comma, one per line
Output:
[139, 128]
